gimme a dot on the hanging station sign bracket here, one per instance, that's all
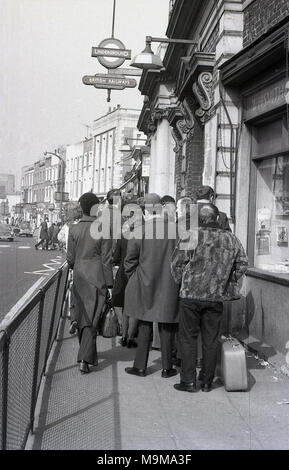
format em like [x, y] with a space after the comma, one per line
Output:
[111, 54]
[109, 81]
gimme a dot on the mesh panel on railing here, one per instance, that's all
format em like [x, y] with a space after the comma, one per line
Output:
[1, 381]
[62, 288]
[21, 366]
[46, 323]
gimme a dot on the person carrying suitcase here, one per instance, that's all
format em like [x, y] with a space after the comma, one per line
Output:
[208, 273]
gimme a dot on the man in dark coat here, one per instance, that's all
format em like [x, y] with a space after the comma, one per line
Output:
[208, 272]
[44, 236]
[151, 294]
[90, 258]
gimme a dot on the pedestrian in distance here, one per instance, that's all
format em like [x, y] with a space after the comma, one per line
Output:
[44, 236]
[208, 275]
[151, 294]
[91, 260]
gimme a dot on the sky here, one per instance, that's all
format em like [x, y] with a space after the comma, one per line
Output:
[45, 51]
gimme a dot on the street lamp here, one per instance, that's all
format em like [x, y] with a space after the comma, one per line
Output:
[147, 60]
[126, 147]
[62, 179]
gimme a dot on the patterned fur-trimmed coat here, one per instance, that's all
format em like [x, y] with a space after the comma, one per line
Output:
[211, 271]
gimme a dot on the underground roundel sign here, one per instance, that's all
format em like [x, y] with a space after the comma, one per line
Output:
[111, 53]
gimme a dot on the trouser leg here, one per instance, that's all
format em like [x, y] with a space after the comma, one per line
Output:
[125, 325]
[39, 243]
[143, 346]
[132, 327]
[166, 331]
[210, 328]
[87, 346]
[189, 328]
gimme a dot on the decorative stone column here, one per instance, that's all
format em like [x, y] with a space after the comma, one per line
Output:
[162, 156]
[182, 122]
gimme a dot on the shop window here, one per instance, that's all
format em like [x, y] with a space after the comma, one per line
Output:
[272, 200]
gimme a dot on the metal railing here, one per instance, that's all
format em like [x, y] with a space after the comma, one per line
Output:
[25, 344]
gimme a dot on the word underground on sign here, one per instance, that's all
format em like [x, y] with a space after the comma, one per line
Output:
[107, 81]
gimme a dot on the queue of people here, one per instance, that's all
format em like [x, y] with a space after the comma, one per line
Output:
[170, 272]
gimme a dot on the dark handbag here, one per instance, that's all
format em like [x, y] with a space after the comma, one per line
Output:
[108, 326]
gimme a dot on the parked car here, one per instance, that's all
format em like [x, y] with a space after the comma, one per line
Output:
[25, 230]
[16, 231]
[6, 233]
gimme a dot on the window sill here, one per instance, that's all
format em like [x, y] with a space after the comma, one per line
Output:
[281, 279]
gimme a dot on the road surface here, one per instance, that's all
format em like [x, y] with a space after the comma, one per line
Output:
[23, 270]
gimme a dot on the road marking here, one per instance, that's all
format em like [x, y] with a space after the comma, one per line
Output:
[15, 309]
[51, 266]
[5, 246]
[24, 247]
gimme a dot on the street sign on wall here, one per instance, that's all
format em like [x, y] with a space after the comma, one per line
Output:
[108, 81]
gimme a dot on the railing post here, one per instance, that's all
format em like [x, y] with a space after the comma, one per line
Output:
[52, 321]
[5, 375]
[36, 361]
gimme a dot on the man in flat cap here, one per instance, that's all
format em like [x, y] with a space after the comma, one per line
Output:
[151, 295]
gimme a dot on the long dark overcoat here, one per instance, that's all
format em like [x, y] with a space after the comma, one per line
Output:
[151, 293]
[92, 271]
[44, 231]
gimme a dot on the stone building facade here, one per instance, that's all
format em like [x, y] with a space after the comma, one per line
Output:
[99, 164]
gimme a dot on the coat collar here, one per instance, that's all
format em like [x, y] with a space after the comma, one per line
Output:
[87, 218]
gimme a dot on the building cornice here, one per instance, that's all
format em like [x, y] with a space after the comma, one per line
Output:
[266, 51]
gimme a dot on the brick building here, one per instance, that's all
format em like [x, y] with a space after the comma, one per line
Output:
[217, 114]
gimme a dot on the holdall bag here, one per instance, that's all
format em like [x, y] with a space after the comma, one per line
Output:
[108, 326]
[234, 365]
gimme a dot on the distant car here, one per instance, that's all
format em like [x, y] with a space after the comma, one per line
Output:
[25, 231]
[16, 231]
[6, 233]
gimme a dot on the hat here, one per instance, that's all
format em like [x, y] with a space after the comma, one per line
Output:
[152, 198]
[204, 192]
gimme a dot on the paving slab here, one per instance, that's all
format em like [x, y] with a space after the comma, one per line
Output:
[111, 410]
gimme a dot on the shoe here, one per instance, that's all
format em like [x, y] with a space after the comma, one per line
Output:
[206, 388]
[122, 342]
[73, 328]
[36, 247]
[183, 387]
[84, 369]
[167, 373]
[135, 371]
[131, 343]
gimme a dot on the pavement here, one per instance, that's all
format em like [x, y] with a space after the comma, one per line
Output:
[110, 410]
[23, 270]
